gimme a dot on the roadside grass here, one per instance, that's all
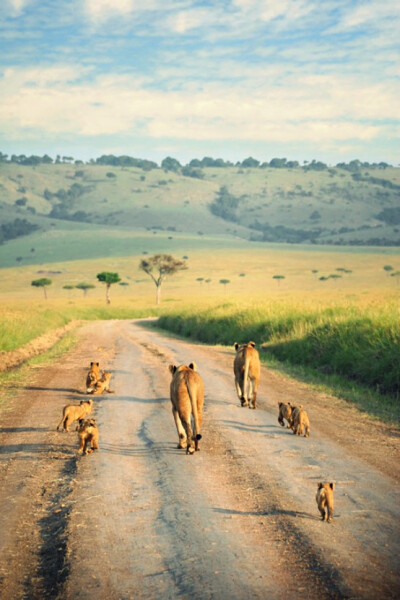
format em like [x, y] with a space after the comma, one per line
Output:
[19, 324]
[353, 347]
[378, 406]
[14, 379]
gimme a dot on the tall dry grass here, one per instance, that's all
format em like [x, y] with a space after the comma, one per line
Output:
[356, 340]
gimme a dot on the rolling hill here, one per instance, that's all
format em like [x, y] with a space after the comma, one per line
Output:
[62, 211]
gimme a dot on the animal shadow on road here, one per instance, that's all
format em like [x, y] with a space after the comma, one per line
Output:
[142, 449]
[264, 513]
[22, 429]
[30, 451]
[49, 389]
[253, 428]
[117, 397]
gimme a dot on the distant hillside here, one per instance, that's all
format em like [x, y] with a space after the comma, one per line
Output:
[346, 205]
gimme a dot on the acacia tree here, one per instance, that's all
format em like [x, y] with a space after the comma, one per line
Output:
[108, 279]
[224, 282]
[278, 278]
[68, 287]
[43, 282]
[158, 267]
[85, 287]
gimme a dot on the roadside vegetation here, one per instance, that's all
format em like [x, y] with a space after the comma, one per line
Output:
[21, 323]
[358, 343]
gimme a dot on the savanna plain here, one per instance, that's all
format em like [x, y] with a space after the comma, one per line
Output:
[139, 518]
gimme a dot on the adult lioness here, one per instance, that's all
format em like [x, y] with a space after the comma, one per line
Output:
[187, 397]
[73, 413]
[93, 375]
[246, 367]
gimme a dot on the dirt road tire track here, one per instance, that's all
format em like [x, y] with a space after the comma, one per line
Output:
[142, 520]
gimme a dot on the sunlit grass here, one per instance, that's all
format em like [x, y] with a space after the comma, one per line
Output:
[358, 340]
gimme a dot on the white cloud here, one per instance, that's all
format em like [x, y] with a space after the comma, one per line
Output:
[15, 6]
[101, 10]
[373, 14]
[184, 21]
[319, 108]
[268, 11]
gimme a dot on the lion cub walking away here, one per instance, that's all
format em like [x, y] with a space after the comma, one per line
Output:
[300, 421]
[187, 398]
[102, 385]
[73, 413]
[92, 376]
[246, 367]
[324, 500]
[88, 434]
[285, 412]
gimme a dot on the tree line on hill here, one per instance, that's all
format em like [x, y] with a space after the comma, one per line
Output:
[191, 169]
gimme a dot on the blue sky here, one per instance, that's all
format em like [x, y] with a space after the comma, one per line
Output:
[300, 79]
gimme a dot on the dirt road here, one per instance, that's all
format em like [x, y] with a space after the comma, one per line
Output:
[140, 519]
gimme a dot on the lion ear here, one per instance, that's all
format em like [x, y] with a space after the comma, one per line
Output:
[236, 345]
[98, 364]
[289, 404]
[332, 486]
[320, 485]
[172, 368]
[193, 366]
[252, 344]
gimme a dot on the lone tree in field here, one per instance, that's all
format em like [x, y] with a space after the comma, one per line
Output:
[85, 287]
[158, 267]
[224, 282]
[278, 278]
[43, 282]
[108, 279]
[68, 287]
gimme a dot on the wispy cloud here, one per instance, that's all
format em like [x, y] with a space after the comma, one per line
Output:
[56, 100]
[306, 72]
[15, 7]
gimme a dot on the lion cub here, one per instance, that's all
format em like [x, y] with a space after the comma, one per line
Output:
[93, 375]
[73, 413]
[300, 421]
[88, 434]
[285, 412]
[102, 385]
[324, 499]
